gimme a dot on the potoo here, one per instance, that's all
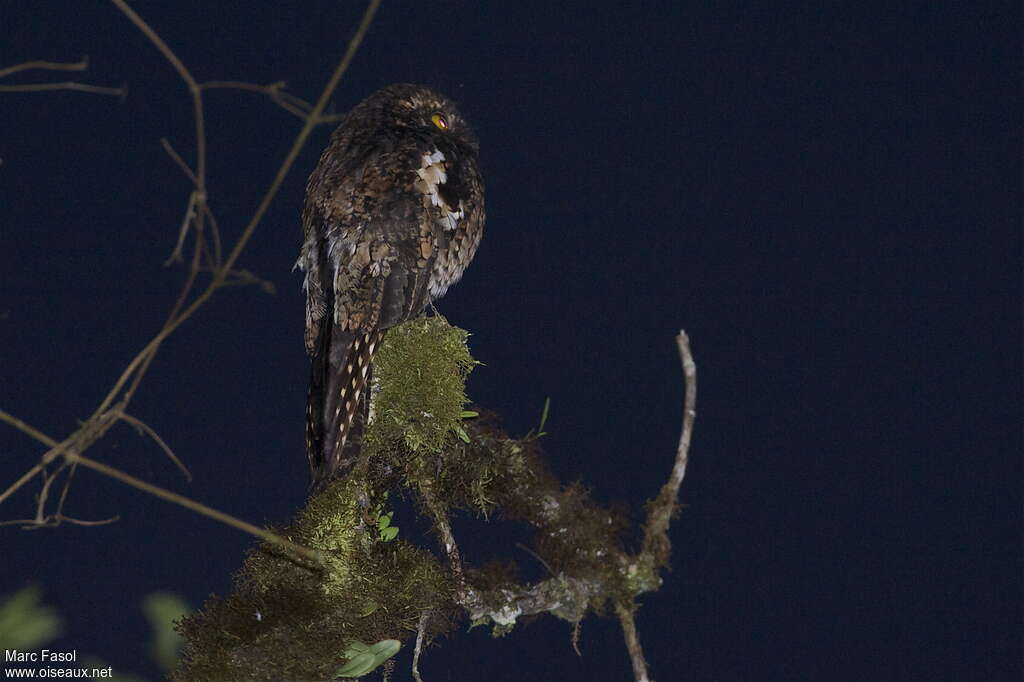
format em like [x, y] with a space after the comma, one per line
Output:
[394, 213]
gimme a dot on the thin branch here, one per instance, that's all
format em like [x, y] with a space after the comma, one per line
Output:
[198, 507]
[56, 450]
[178, 160]
[655, 543]
[275, 91]
[67, 487]
[689, 413]
[146, 429]
[80, 65]
[536, 556]
[311, 122]
[420, 632]
[158, 42]
[250, 228]
[103, 417]
[76, 458]
[187, 219]
[215, 233]
[25, 478]
[143, 359]
[80, 522]
[54, 520]
[44, 492]
[332, 118]
[27, 429]
[243, 278]
[26, 524]
[661, 510]
[66, 85]
[444, 528]
[636, 654]
[186, 289]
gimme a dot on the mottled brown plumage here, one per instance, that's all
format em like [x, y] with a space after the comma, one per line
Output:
[394, 213]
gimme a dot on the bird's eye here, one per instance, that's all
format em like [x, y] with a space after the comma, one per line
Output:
[440, 121]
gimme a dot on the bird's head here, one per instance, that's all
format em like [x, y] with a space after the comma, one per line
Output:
[423, 113]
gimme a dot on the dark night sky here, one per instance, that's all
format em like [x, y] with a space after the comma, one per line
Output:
[826, 200]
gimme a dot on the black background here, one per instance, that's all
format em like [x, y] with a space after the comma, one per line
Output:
[826, 199]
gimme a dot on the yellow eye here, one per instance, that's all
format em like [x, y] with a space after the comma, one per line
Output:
[440, 121]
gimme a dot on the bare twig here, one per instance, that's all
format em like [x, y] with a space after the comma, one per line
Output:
[54, 520]
[185, 74]
[73, 458]
[183, 295]
[655, 543]
[80, 65]
[536, 556]
[103, 417]
[215, 233]
[142, 360]
[275, 91]
[66, 85]
[198, 507]
[145, 429]
[444, 528]
[689, 413]
[26, 524]
[44, 492]
[27, 429]
[80, 522]
[636, 654]
[67, 487]
[187, 219]
[311, 122]
[243, 278]
[25, 478]
[661, 510]
[420, 632]
[178, 160]
[55, 451]
[112, 407]
[250, 228]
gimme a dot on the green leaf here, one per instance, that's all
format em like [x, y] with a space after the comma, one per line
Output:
[357, 666]
[25, 623]
[355, 648]
[364, 658]
[469, 414]
[544, 416]
[461, 433]
[386, 648]
[388, 534]
[162, 609]
[369, 607]
[384, 520]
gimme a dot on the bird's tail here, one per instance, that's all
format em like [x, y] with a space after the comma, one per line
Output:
[337, 387]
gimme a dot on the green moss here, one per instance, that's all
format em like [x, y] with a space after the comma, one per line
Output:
[419, 387]
[284, 621]
[289, 620]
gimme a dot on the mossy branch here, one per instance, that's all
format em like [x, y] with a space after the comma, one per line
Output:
[288, 620]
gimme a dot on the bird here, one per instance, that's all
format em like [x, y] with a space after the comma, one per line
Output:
[393, 214]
